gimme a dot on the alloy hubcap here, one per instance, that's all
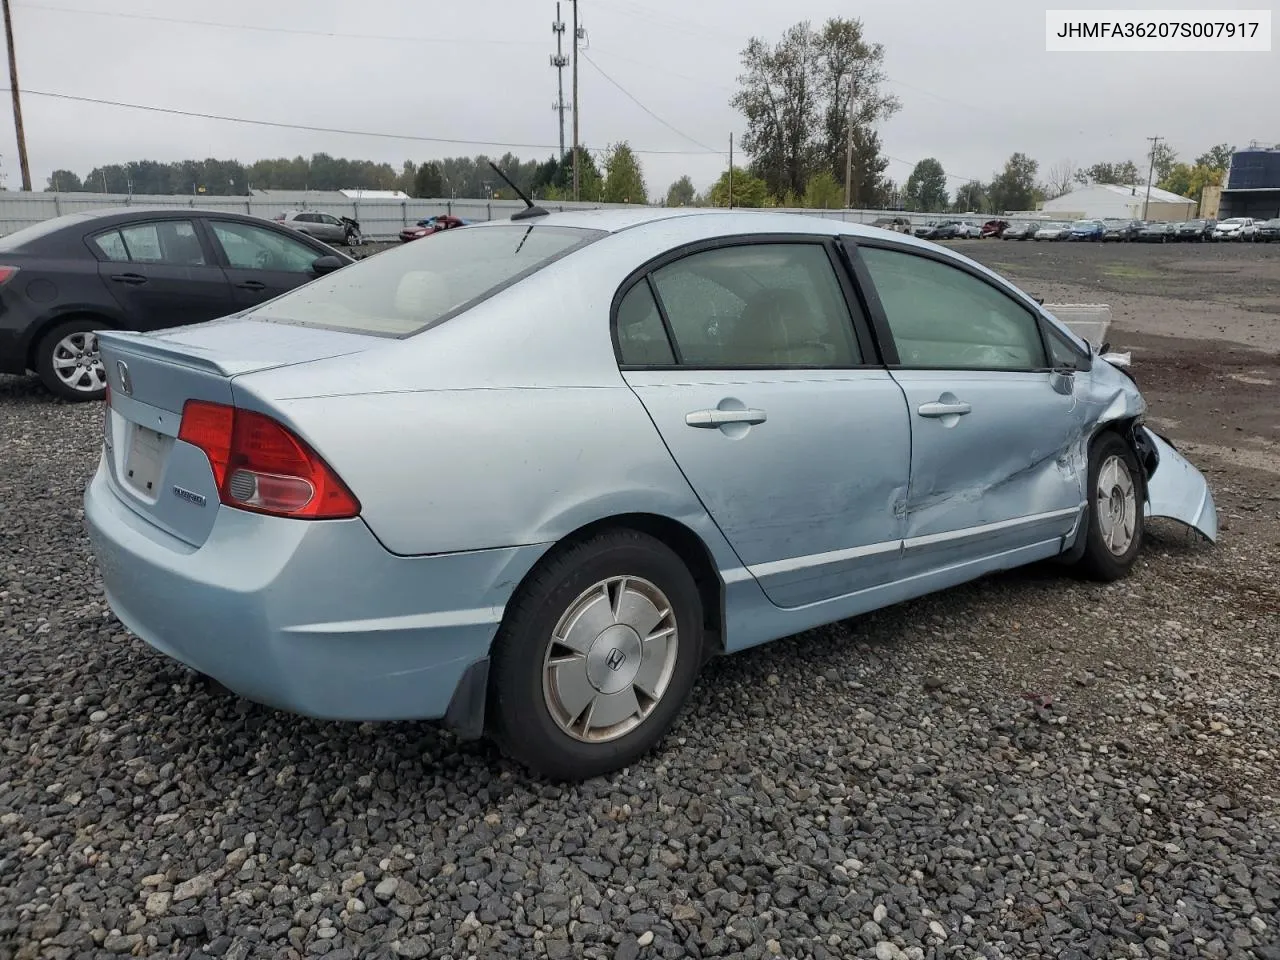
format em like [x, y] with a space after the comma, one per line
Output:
[77, 364]
[1117, 505]
[610, 660]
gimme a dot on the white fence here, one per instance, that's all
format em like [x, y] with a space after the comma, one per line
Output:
[379, 219]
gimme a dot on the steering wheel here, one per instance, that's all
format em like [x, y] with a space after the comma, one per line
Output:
[262, 259]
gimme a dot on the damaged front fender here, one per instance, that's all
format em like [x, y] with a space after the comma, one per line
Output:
[1178, 491]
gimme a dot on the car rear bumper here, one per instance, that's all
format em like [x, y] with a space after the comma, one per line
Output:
[313, 617]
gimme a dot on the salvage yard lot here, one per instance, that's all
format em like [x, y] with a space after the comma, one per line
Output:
[1028, 766]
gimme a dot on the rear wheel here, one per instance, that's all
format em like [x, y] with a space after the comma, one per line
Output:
[1115, 516]
[68, 362]
[596, 656]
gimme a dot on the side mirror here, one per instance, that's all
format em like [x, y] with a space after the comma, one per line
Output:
[327, 264]
[1062, 381]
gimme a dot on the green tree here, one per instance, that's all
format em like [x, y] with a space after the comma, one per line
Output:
[823, 193]
[681, 193]
[624, 180]
[1216, 157]
[1164, 157]
[1125, 172]
[64, 180]
[1190, 181]
[1014, 188]
[748, 191]
[971, 197]
[926, 188]
[801, 96]
[428, 181]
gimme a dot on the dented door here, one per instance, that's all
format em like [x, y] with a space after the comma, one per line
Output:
[1178, 491]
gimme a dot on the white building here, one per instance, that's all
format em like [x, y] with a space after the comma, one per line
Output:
[1097, 201]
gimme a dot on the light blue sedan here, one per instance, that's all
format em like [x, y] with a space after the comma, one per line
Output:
[527, 478]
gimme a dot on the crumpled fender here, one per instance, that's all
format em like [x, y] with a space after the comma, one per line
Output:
[1178, 491]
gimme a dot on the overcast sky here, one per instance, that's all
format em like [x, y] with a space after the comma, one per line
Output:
[975, 81]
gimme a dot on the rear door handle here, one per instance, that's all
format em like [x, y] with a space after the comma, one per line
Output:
[718, 418]
[957, 408]
[131, 278]
[252, 285]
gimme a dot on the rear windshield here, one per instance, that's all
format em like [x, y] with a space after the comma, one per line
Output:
[20, 239]
[403, 291]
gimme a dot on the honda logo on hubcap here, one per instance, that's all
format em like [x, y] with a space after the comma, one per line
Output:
[616, 659]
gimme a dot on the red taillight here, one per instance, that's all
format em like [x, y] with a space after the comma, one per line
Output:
[6, 274]
[262, 466]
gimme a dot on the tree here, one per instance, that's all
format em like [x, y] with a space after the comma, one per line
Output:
[926, 188]
[428, 181]
[823, 193]
[624, 181]
[972, 197]
[1163, 157]
[1125, 173]
[64, 180]
[748, 191]
[681, 193]
[1060, 177]
[1190, 181]
[1216, 157]
[800, 97]
[1014, 188]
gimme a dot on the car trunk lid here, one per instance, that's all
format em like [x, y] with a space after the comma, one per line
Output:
[151, 377]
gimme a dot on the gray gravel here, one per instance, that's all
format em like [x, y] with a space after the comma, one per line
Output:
[1027, 767]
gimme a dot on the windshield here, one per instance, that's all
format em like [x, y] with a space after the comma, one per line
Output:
[406, 290]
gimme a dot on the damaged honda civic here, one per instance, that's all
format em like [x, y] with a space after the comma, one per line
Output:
[528, 478]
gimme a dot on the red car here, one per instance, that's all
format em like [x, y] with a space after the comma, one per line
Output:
[994, 228]
[424, 228]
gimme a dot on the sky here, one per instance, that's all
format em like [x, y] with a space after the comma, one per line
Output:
[974, 79]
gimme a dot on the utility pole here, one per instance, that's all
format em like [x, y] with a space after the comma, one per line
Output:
[848, 155]
[559, 61]
[1146, 203]
[575, 98]
[730, 171]
[17, 100]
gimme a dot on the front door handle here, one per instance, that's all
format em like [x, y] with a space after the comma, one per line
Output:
[251, 285]
[130, 278]
[955, 408]
[718, 418]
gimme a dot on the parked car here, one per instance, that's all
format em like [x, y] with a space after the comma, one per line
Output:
[1195, 230]
[1269, 230]
[323, 226]
[1086, 230]
[1021, 230]
[328, 536]
[894, 224]
[1120, 231]
[1235, 228]
[994, 228]
[425, 228]
[136, 268]
[1053, 230]
[1156, 232]
[925, 230]
[968, 230]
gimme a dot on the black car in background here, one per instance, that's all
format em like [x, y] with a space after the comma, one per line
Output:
[1120, 230]
[1269, 231]
[1198, 231]
[1155, 232]
[136, 268]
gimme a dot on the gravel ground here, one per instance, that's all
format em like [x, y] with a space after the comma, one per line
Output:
[1026, 767]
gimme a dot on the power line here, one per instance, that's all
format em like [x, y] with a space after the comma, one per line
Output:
[632, 98]
[317, 129]
[333, 35]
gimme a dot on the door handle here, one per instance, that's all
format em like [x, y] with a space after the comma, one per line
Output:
[956, 408]
[251, 285]
[718, 418]
[130, 278]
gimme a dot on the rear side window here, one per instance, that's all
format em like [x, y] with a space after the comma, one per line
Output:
[405, 290]
[642, 340]
[111, 245]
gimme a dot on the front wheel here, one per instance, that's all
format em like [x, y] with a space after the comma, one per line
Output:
[1115, 515]
[596, 656]
[68, 362]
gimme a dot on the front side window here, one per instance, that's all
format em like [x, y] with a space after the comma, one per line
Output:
[167, 241]
[772, 305]
[253, 248]
[402, 291]
[942, 317]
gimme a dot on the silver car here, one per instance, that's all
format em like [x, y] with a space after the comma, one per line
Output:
[526, 478]
[323, 226]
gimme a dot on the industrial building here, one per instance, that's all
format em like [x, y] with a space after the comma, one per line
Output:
[1097, 201]
[1252, 187]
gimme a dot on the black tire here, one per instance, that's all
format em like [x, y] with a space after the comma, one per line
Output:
[1100, 561]
[520, 717]
[44, 360]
